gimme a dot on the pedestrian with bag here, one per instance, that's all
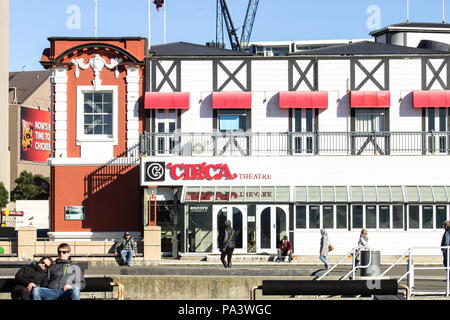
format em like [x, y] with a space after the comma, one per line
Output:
[227, 245]
[126, 247]
[325, 247]
[30, 277]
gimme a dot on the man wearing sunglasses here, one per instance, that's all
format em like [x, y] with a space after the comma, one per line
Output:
[66, 279]
[30, 277]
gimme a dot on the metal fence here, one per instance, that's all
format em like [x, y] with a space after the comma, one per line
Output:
[294, 143]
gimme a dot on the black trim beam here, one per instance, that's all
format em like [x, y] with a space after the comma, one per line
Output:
[231, 75]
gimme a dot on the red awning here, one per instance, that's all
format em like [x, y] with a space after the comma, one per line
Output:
[166, 100]
[370, 99]
[304, 99]
[232, 100]
[431, 99]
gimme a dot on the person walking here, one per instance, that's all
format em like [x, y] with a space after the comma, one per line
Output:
[127, 248]
[324, 242]
[445, 242]
[29, 277]
[228, 244]
[363, 244]
[284, 249]
[66, 279]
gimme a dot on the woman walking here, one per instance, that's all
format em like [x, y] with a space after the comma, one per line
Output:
[228, 244]
[363, 243]
[324, 242]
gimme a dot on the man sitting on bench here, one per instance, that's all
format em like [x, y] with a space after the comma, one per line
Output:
[284, 249]
[65, 279]
[30, 277]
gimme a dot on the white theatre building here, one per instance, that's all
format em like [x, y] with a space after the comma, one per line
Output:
[343, 138]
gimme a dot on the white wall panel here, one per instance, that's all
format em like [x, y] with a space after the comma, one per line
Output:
[405, 77]
[270, 75]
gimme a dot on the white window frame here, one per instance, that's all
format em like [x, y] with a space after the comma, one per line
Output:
[81, 136]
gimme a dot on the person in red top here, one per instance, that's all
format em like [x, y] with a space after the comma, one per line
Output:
[284, 249]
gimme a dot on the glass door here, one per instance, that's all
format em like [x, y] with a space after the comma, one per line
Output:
[271, 226]
[238, 217]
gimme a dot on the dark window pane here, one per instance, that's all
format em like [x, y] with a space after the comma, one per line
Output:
[298, 120]
[171, 126]
[107, 129]
[441, 215]
[88, 119]
[384, 218]
[427, 217]
[107, 108]
[397, 217]
[442, 119]
[309, 120]
[265, 228]
[371, 217]
[87, 108]
[300, 217]
[161, 127]
[328, 222]
[98, 97]
[98, 129]
[107, 120]
[98, 108]
[341, 217]
[413, 215]
[88, 98]
[314, 217]
[107, 97]
[98, 119]
[357, 217]
[431, 119]
[89, 129]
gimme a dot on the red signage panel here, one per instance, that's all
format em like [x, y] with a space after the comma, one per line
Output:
[35, 135]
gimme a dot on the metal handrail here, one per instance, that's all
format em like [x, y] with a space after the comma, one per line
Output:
[354, 267]
[351, 252]
[406, 254]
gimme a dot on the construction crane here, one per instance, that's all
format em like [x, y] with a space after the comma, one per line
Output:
[223, 15]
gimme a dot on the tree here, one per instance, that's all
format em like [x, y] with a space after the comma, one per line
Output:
[29, 187]
[3, 196]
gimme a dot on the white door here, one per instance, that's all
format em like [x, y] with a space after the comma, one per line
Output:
[272, 224]
[237, 214]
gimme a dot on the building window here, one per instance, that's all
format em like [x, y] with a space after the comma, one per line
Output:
[397, 217]
[304, 124]
[314, 217]
[166, 123]
[413, 217]
[232, 120]
[321, 216]
[98, 113]
[370, 120]
[437, 122]
[300, 217]
[357, 216]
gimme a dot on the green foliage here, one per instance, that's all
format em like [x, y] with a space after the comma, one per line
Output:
[29, 187]
[3, 196]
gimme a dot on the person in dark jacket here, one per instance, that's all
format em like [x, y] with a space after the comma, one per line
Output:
[30, 277]
[228, 244]
[66, 279]
[445, 242]
[284, 249]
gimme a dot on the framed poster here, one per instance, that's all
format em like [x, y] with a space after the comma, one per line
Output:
[74, 213]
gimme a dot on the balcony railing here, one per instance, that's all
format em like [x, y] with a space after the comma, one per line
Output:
[294, 143]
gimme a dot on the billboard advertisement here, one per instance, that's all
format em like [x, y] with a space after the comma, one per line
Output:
[35, 135]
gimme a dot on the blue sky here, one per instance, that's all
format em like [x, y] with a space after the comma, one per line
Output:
[31, 22]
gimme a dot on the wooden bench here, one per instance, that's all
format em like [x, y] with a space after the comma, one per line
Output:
[93, 284]
[329, 287]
